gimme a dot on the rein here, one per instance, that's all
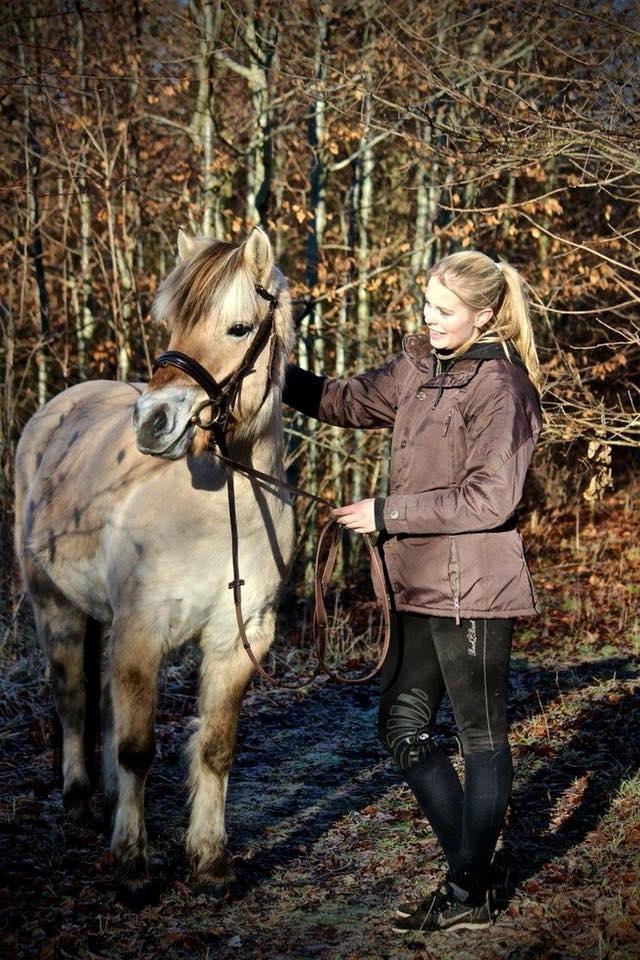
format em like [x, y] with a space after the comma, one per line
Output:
[221, 397]
[322, 576]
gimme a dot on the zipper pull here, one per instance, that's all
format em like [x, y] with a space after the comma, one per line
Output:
[446, 424]
[456, 605]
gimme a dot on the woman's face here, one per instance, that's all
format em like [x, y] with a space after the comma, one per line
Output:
[451, 322]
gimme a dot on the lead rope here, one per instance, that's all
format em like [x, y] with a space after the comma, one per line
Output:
[322, 578]
[320, 618]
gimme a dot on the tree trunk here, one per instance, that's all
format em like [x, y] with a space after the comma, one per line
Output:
[310, 341]
[207, 15]
[259, 171]
[363, 208]
[317, 196]
[423, 242]
[32, 159]
[82, 308]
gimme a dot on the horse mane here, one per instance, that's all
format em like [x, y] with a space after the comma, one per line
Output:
[203, 284]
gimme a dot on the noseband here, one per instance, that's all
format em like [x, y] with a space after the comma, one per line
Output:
[222, 396]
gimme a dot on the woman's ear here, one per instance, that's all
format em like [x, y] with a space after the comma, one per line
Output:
[483, 317]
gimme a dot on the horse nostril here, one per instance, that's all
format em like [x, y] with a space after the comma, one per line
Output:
[159, 421]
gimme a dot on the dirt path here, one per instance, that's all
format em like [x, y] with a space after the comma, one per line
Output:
[326, 840]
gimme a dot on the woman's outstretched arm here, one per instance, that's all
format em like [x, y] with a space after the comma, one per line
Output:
[368, 400]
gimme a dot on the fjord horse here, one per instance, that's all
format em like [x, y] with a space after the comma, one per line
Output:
[121, 518]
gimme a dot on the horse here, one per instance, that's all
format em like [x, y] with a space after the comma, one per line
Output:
[122, 519]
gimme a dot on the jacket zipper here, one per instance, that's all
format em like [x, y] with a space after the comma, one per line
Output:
[446, 424]
[454, 577]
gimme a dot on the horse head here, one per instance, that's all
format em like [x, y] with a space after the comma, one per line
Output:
[216, 303]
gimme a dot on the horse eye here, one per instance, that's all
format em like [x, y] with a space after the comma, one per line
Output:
[239, 330]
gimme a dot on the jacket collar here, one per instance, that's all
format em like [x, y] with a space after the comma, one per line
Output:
[453, 373]
[457, 372]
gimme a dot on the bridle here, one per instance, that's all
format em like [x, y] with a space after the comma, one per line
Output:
[222, 396]
[221, 399]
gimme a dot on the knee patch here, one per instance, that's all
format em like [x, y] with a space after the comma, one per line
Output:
[405, 728]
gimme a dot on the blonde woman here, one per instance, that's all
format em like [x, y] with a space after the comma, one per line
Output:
[463, 404]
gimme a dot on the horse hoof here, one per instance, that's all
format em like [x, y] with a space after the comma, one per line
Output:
[77, 806]
[215, 879]
[214, 888]
[139, 893]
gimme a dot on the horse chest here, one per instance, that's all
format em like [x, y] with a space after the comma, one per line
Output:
[183, 569]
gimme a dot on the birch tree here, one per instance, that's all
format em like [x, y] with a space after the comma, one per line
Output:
[32, 170]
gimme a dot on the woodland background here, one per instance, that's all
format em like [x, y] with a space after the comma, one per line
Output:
[369, 139]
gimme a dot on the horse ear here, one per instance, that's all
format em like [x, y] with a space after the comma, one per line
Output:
[186, 245]
[258, 255]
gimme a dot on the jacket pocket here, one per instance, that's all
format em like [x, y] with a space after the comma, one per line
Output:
[534, 598]
[454, 576]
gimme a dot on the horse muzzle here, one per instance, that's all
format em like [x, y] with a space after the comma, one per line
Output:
[162, 420]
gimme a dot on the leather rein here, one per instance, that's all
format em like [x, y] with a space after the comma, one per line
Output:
[221, 398]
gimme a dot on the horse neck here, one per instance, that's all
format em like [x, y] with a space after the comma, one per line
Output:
[260, 443]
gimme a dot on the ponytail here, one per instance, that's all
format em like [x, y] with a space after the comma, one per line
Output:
[512, 322]
[480, 282]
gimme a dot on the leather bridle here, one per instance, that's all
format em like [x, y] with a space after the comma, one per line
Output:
[221, 398]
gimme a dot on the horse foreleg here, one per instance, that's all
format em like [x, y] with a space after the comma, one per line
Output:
[223, 681]
[134, 674]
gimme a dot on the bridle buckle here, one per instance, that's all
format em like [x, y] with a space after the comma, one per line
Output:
[216, 407]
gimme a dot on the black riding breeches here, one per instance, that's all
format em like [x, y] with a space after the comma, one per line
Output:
[429, 656]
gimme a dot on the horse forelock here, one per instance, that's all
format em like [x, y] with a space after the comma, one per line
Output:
[214, 281]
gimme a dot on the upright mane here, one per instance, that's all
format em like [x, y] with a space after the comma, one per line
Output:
[216, 279]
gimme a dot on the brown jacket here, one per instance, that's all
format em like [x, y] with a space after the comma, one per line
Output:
[462, 443]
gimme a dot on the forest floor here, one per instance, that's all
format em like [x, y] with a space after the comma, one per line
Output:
[325, 838]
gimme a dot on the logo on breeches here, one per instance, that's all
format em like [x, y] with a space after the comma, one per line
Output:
[472, 638]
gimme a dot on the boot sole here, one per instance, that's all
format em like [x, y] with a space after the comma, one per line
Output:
[466, 926]
[451, 929]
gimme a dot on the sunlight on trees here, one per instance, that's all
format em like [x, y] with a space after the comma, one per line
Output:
[369, 140]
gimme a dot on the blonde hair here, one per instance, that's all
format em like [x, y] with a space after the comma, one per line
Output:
[480, 282]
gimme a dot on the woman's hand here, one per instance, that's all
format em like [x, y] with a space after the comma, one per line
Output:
[359, 516]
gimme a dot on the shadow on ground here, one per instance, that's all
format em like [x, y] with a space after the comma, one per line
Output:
[304, 762]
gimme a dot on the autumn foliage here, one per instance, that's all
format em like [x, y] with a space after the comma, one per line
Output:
[369, 139]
